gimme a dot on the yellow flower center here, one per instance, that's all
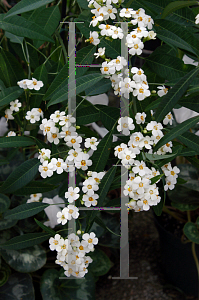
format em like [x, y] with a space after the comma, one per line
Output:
[106, 69]
[45, 169]
[141, 90]
[54, 135]
[136, 46]
[83, 163]
[90, 240]
[90, 198]
[58, 164]
[140, 184]
[89, 186]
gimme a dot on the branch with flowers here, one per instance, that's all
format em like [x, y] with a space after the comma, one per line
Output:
[43, 145]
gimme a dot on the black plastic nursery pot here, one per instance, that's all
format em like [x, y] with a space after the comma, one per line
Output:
[177, 261]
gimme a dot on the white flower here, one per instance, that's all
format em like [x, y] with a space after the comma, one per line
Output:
[139, 75]
[162, 91]
[46, 126]
[152, 35]
[105, 30]
[111, 11]
[167, 147]
[54, 242]
[101, 52]
[140, 118]
[146, 142]
[170, 184]
[57, 165]
[11, 133]
[141, 91]
[168, 119]
[119, 148]
[144, 204]
[66, 120]
[44, 154]
[8, 114]
[141, 32]
[107, 68]
[90, 239]
[136, 138]
[172, 173]
[126, 86]
[45, 169]
[126, 12]
[82, 161]
[91, 142]
[53, 136]
[57, 115]
[89, 186]
[33, 115]
[94, 38]
[22, 84]
[117, 32]
[139, 184]
[34, 84]
[73, 141]
[73, 211]
[63, 216]
[35, 197]
[90, 199]
[15, 105]
[72, 194]
[127, 157]
[119, 62]
[140, 168]
[155, 127]
[125, 124]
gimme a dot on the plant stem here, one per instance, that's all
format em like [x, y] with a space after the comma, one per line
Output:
[165, 209]
[28, 61]
[189, 216]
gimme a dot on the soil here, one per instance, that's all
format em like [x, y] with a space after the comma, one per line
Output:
[144, 263]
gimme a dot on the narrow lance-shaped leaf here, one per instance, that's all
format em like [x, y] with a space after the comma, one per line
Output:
[26, 5]
[10, 94]
[175, 6]
[25, 241]
[26, 210]
[175, 132]
[173, 96]
[44, 227]
[79, 85]
[22, 175]
[15, 141]
[21, 27]
[190, 140]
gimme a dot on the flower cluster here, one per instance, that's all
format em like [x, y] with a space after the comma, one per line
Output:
[90, 186]
[30, 84]
[14, 107]
[71, 252]
[34, 115]
[138, 186]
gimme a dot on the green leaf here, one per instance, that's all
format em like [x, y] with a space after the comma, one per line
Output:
[18, 282]
[47, 18]
[100, 156]
[113, 48]
[182, 194]
[101, 263]
[85, 18]
[191, 102]
[53, 287]
[14, 38]
[87, 115]
[21, 27]
[176, 131]
[156, 178]
[184, 206]
[102, 224]
[175, 6]
[103, 86]
[84, 56]
[156, 156]
[11, 70]
[79, 85]
[172, 97]
[25, 240]
[26, 210]
[35, 187]
[60, 80]
[190, 140]
[83, 4]
[40, 74]
[26, 5]
[167, 66]
[191, 231]
[4, 203]
[21, 176]
[176, 152]
[15, 141]
[177, 35]
[108, 115]
[45, 228]
[25, 260]
[10, 94]
[158, 208]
